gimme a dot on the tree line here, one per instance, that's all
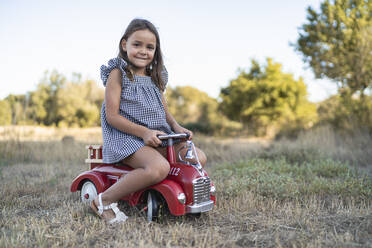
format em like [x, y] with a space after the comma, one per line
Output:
[336, 42]
[254, 102]
[55, 102]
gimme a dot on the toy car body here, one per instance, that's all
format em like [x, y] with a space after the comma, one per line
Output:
[187, 188]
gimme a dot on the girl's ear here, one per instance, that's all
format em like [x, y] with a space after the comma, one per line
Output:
[124, 45]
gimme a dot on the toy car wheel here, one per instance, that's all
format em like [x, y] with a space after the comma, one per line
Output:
[152, 206]
[88, 192]
[196, 215]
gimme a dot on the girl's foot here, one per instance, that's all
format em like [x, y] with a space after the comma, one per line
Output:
[108, 212]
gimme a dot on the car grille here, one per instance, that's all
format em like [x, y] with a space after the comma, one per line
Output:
[202, 187]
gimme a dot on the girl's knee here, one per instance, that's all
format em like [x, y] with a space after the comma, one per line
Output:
[163, 170]
[158, 170]
[202, 157]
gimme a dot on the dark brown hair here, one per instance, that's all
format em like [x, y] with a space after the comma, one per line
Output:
[157, 66]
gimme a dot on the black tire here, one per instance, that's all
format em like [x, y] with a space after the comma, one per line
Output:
[197, 215]
[153, 206]
[193, 216]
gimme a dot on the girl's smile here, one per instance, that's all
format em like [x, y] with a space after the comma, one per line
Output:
[140, 48]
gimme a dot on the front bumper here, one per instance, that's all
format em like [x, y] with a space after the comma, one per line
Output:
[200, 207]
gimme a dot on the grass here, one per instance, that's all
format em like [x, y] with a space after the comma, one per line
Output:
[278, 179]
[301, 193]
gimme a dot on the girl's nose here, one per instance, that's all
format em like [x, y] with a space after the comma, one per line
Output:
[143, 51]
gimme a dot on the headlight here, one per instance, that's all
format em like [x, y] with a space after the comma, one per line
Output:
[181, 198]
[213, 190]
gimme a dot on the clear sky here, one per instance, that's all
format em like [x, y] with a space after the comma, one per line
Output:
[203, 42]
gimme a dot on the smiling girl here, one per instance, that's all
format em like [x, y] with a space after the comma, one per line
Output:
[133, 114]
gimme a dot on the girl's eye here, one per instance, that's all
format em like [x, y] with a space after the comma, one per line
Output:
[150, 48]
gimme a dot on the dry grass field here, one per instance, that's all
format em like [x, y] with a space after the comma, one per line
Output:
[315, 191]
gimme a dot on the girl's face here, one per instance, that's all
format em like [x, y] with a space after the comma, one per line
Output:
[140, 48]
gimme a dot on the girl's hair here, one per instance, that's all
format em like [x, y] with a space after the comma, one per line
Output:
[157, 66]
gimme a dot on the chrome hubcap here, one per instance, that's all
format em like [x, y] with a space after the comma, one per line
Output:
[88, 192]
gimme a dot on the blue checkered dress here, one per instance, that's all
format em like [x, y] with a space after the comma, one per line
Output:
[140, 103]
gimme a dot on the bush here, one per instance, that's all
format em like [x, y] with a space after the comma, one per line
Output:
[347, 113]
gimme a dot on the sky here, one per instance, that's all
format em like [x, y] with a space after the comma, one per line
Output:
[204, 43]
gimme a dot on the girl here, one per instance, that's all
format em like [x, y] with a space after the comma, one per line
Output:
[133, 114]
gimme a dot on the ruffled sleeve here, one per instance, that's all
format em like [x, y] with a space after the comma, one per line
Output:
[164, 76]
[112, 64]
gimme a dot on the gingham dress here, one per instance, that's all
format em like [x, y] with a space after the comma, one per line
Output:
[140, 102]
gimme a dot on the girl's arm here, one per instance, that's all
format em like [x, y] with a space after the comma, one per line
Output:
[112, 103]
[177, 128]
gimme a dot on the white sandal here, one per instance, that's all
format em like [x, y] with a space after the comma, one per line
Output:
[119, 215]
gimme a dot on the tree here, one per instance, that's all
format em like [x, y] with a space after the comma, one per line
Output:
[43, 107]
[60, 102]
[198, 111]
[18, 105]
[79, 104]
[5, 113]
[346, 114]
[337, 43]
[38, 109]
[266, 97]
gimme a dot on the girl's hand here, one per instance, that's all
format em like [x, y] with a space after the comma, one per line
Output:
[179, 129]
[150, 137]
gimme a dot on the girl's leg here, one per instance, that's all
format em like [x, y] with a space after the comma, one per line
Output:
[177, 147]
[150, 167]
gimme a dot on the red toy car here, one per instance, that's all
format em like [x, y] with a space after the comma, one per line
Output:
[187, 188]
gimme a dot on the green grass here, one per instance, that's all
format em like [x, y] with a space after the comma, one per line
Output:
[281, 180]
